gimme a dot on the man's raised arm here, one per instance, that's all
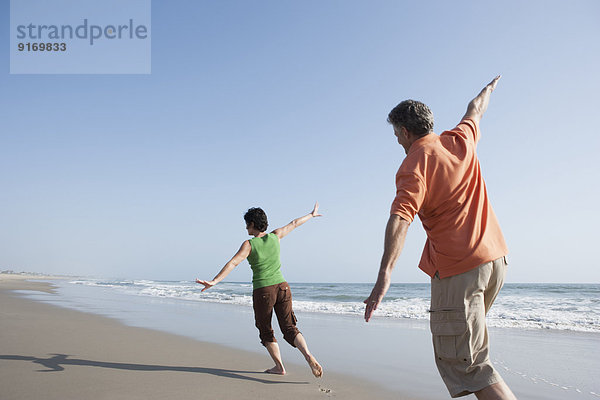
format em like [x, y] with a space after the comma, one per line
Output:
[479, 104]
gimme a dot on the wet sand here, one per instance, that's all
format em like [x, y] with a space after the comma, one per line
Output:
[51, 352]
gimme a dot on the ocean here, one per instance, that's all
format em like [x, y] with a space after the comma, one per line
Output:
[529, 306]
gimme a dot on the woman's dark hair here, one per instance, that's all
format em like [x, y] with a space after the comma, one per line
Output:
[257, 217]
[415, 116]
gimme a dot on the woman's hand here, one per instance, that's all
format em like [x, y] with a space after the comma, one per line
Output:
[207, 284]
[315, 211]
[284, 230]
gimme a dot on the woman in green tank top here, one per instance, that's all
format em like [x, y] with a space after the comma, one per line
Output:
[270, 290]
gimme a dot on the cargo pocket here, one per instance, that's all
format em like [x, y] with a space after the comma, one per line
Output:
[261, 301]
[264, 298]
[450, 334]
[285, 295]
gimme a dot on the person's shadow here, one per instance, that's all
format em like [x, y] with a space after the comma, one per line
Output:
[58, 361]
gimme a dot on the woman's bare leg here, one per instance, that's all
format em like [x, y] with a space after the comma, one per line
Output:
[316, 368]
[273, 349]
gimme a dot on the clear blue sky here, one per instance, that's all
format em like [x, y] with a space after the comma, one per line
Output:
[278, 104]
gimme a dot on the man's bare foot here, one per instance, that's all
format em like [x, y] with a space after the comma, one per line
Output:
[316, 368]
[276, 371]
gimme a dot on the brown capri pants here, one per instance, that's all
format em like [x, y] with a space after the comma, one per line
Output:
[279, 298]
[459, 305]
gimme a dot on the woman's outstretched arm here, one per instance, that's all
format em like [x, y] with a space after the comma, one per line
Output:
[284, 230]
[240, 256]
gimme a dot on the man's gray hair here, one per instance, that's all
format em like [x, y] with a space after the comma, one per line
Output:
[415, 116]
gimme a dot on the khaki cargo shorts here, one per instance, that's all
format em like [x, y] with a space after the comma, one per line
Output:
[459, 305]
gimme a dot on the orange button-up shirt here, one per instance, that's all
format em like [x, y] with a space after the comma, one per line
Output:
[440, 179]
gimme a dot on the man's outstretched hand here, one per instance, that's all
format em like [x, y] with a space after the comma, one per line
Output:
[375, 298]
[493, 83]
[479, 104]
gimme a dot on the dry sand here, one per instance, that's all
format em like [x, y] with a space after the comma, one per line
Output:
[49, 352]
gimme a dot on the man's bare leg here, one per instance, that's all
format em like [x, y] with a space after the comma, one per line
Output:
[315, 367]
[273, 349]
[497, 391]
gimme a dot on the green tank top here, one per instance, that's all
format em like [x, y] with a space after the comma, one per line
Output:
[264, 261]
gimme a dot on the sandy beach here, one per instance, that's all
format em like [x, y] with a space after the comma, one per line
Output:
[63, 339]
[49, 352]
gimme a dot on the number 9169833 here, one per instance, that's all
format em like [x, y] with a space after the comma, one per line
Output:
[42, 46]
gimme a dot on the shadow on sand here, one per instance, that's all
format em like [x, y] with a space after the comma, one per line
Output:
[58, 361]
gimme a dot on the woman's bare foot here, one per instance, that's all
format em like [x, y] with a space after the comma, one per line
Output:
[316, 368]
[276, 370]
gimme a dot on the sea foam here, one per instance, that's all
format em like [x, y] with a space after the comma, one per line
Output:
[523, 306]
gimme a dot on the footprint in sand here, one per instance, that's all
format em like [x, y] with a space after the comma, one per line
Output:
[324, 390]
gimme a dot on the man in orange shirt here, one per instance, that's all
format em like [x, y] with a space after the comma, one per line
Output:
[465, 253]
